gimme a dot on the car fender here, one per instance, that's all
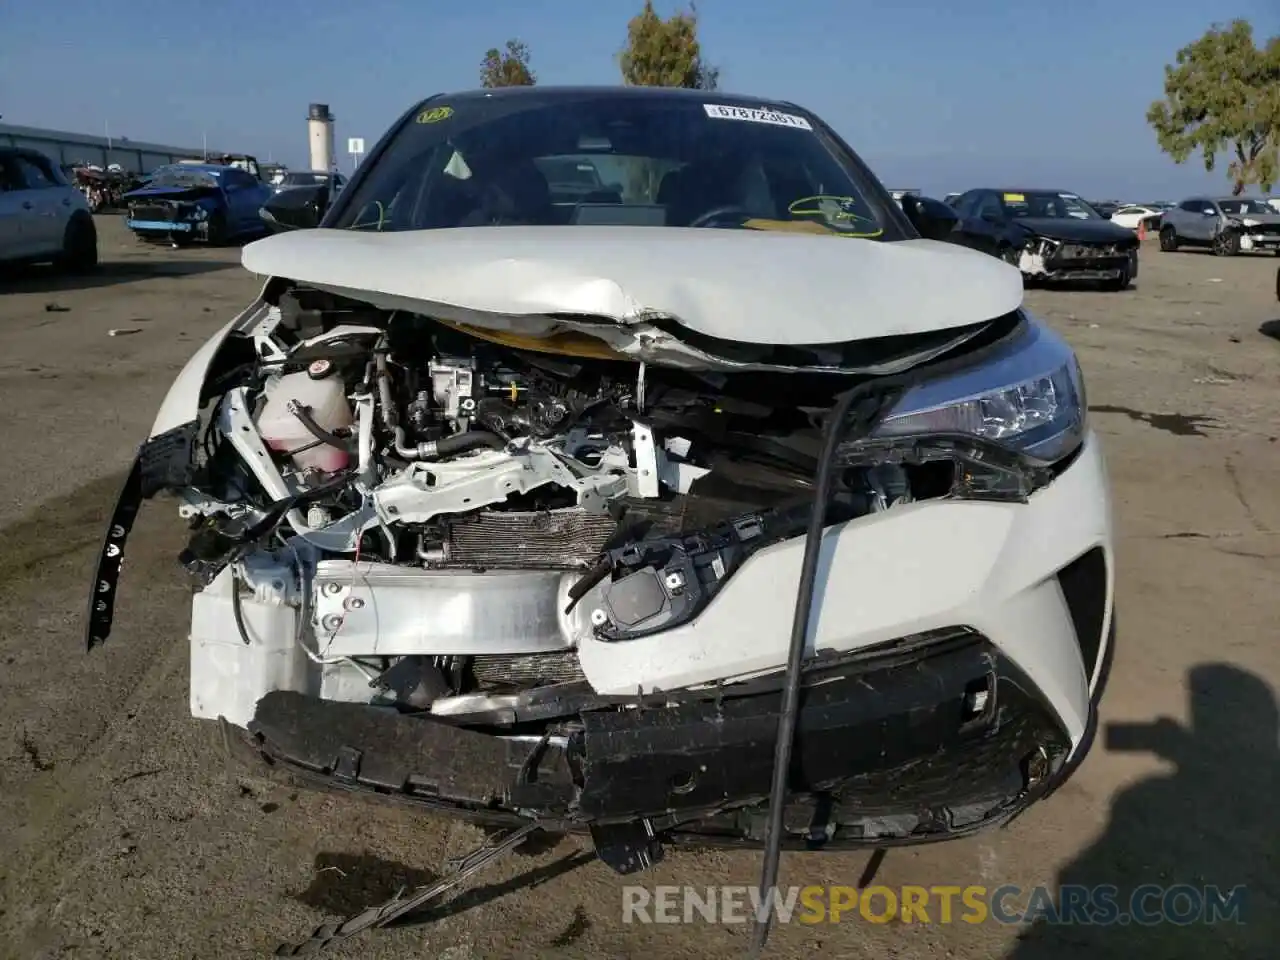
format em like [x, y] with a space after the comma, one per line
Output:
[160, 461]
[182, 403]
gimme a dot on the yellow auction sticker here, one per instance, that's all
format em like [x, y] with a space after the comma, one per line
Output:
[1014, 198]
[435, 114]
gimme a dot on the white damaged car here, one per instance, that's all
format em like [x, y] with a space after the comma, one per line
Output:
[716, 505]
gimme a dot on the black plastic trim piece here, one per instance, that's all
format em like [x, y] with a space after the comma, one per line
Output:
[102, 594]
[163, 462]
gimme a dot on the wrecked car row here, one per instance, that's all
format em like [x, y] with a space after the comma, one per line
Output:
[1049, 235]
[565, 512]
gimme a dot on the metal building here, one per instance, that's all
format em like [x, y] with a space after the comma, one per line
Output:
[63, 147]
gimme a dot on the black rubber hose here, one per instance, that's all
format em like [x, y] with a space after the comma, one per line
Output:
[319, 432]
[471, 440]
[237, 609]
[836, 429]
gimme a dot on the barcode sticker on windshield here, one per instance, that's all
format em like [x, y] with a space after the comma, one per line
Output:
[722, 111]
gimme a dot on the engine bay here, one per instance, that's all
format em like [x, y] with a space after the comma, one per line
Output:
[429, 519]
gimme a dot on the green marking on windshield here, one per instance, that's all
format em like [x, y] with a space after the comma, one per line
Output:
[838, 213]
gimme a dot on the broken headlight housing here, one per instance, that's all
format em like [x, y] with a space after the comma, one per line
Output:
[1027, 397]
[1005, 422]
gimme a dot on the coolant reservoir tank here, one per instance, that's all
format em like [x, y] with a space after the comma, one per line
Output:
[320, 389]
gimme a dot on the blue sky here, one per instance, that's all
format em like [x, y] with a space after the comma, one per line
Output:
[936, 94]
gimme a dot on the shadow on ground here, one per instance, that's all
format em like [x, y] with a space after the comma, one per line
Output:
[48, 279]
[1271, 328]
[1210, 822]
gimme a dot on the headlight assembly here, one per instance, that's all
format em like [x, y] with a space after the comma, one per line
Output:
[1017, 413]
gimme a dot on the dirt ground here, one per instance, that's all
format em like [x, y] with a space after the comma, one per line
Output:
[123, 835]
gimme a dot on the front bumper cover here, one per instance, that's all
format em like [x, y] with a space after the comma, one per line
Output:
[935, 738]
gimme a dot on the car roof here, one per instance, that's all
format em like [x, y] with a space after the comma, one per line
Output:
[550, 94]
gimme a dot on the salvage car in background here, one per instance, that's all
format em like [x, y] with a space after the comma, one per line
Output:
[307, 178]
[1227, 225]
[297, 207]
[43, 216]
[1048, 235]
[186, 202]
[511, 504]
[1134, 215]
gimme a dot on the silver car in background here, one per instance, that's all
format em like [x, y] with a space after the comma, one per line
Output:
[1227, 225]
[43, 217]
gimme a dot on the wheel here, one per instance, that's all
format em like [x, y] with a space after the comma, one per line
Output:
[217, 234]
[1226, 243]
[1168, 239]
[79, 246]
[1118, 283]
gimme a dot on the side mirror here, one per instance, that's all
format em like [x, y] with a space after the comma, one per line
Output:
[932, 218]
[296, 208]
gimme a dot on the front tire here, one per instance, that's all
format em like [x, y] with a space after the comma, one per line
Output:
[1168, 239]
[1226, 243]
[217, 235]
[79, 246]
[1116, 284]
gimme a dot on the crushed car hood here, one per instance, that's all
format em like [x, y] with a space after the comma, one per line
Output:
[640, 289]
[1077, 231]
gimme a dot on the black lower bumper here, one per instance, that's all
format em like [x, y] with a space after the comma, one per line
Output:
[1090, 268]
[920, 741]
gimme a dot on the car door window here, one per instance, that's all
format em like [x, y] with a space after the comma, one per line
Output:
[1191, 206]
[10, 175]
[234, 180]
[965, 203]
[989, 207]
[33, 175]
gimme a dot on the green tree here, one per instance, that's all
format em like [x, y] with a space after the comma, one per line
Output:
[661, 53]
[665, 53]
[509, 68]
[1223, 95]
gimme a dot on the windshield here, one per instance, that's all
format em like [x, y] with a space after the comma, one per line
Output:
[1055, 206]
[182, 176]
[1237, 207]
[599, 158]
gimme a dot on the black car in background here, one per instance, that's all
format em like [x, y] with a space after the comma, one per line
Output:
[1048, 235]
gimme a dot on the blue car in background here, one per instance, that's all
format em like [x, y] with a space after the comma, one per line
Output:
[186, 202]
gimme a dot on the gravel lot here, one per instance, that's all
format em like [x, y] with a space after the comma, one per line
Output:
[122, 835]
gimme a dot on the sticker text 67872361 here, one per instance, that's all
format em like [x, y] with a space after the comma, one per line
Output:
[722, 111]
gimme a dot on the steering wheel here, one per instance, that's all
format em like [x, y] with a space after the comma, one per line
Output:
[715, 213]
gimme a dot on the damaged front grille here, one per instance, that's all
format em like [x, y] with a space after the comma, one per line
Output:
[567, 539]
[1084, 251]
[155, 211]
